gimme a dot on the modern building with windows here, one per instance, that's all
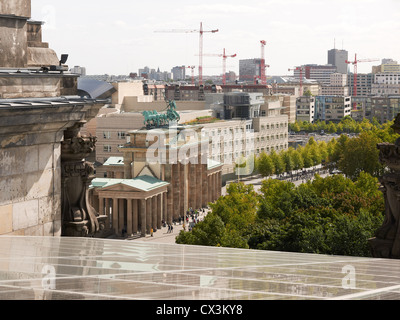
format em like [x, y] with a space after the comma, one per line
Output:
[338, 86]
[249, 70]
[385, 108]
[364, 84]
[333, 108]
[320, 73]
[386, 84]
[305, 109]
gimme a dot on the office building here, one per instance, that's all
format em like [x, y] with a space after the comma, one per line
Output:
[338, 59]
[332, 108]
[338, 86]
[249, 70]
[179, 73]
[319, 73]
[305, 109]
[364, 84]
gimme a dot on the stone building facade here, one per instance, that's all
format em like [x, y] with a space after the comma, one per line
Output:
[38, 107]
[161, 175]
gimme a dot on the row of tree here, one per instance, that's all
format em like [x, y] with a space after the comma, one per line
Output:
[313, 154]
[334, 215]
[350, 155]
[346, 125]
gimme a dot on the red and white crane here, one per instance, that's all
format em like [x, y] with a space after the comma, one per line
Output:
[264, 66]
[224, 58]
[355, 76]
[201, 32]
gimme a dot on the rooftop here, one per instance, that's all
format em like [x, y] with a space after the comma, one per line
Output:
[144, 183]
[104, 269]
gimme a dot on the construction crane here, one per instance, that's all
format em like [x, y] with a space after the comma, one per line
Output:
[201, 32]
[355, 76]
[192, 67]
[224, 58]
[301, 69]
[263, 64]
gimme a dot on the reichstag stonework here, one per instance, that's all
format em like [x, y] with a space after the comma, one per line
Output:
[41, 154]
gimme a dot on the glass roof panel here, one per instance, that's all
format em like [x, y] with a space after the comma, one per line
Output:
[33, 268]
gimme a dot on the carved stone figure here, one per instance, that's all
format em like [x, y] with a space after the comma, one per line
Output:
[153, 119]
[386, 244]
[79, 218]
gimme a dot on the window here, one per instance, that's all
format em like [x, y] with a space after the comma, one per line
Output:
[121, 135]
[107, 135]
[107, 148]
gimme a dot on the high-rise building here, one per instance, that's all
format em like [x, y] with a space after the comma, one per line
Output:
[338, 59]
[249, 69]
[179, 73]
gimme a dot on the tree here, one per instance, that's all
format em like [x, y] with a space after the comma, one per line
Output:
[278, 162]
[288, 160]
[209, 232]
[295, 127]
[239, 207]
[323, 150]
[265, 165]
[298, 162]
[307, 159]
[360, 154]
[315, 154]
[339, 147]
[332, 128]
[307, 93]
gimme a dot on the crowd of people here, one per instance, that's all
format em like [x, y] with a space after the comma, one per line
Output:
[192, 218]
[304, 175]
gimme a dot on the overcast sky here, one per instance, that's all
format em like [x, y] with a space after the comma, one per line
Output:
[119, 36]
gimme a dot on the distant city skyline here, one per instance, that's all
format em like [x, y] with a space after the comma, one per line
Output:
[120, 37]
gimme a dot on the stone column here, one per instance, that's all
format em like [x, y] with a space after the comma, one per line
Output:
[149, 216]
[209, 189]
[143, 216]
[199, 185]
[182, 200]
[129, 217]
[185, 189]
[193, 185]
[159, 212]
[155, 215]
[176, 190]
[165, 214]
[169, 197]
[115, 216]
[212, 187]
[101, 206]
[108, 213]
[135, 217]
[219, 184]
[205, 186]
[121, 215]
